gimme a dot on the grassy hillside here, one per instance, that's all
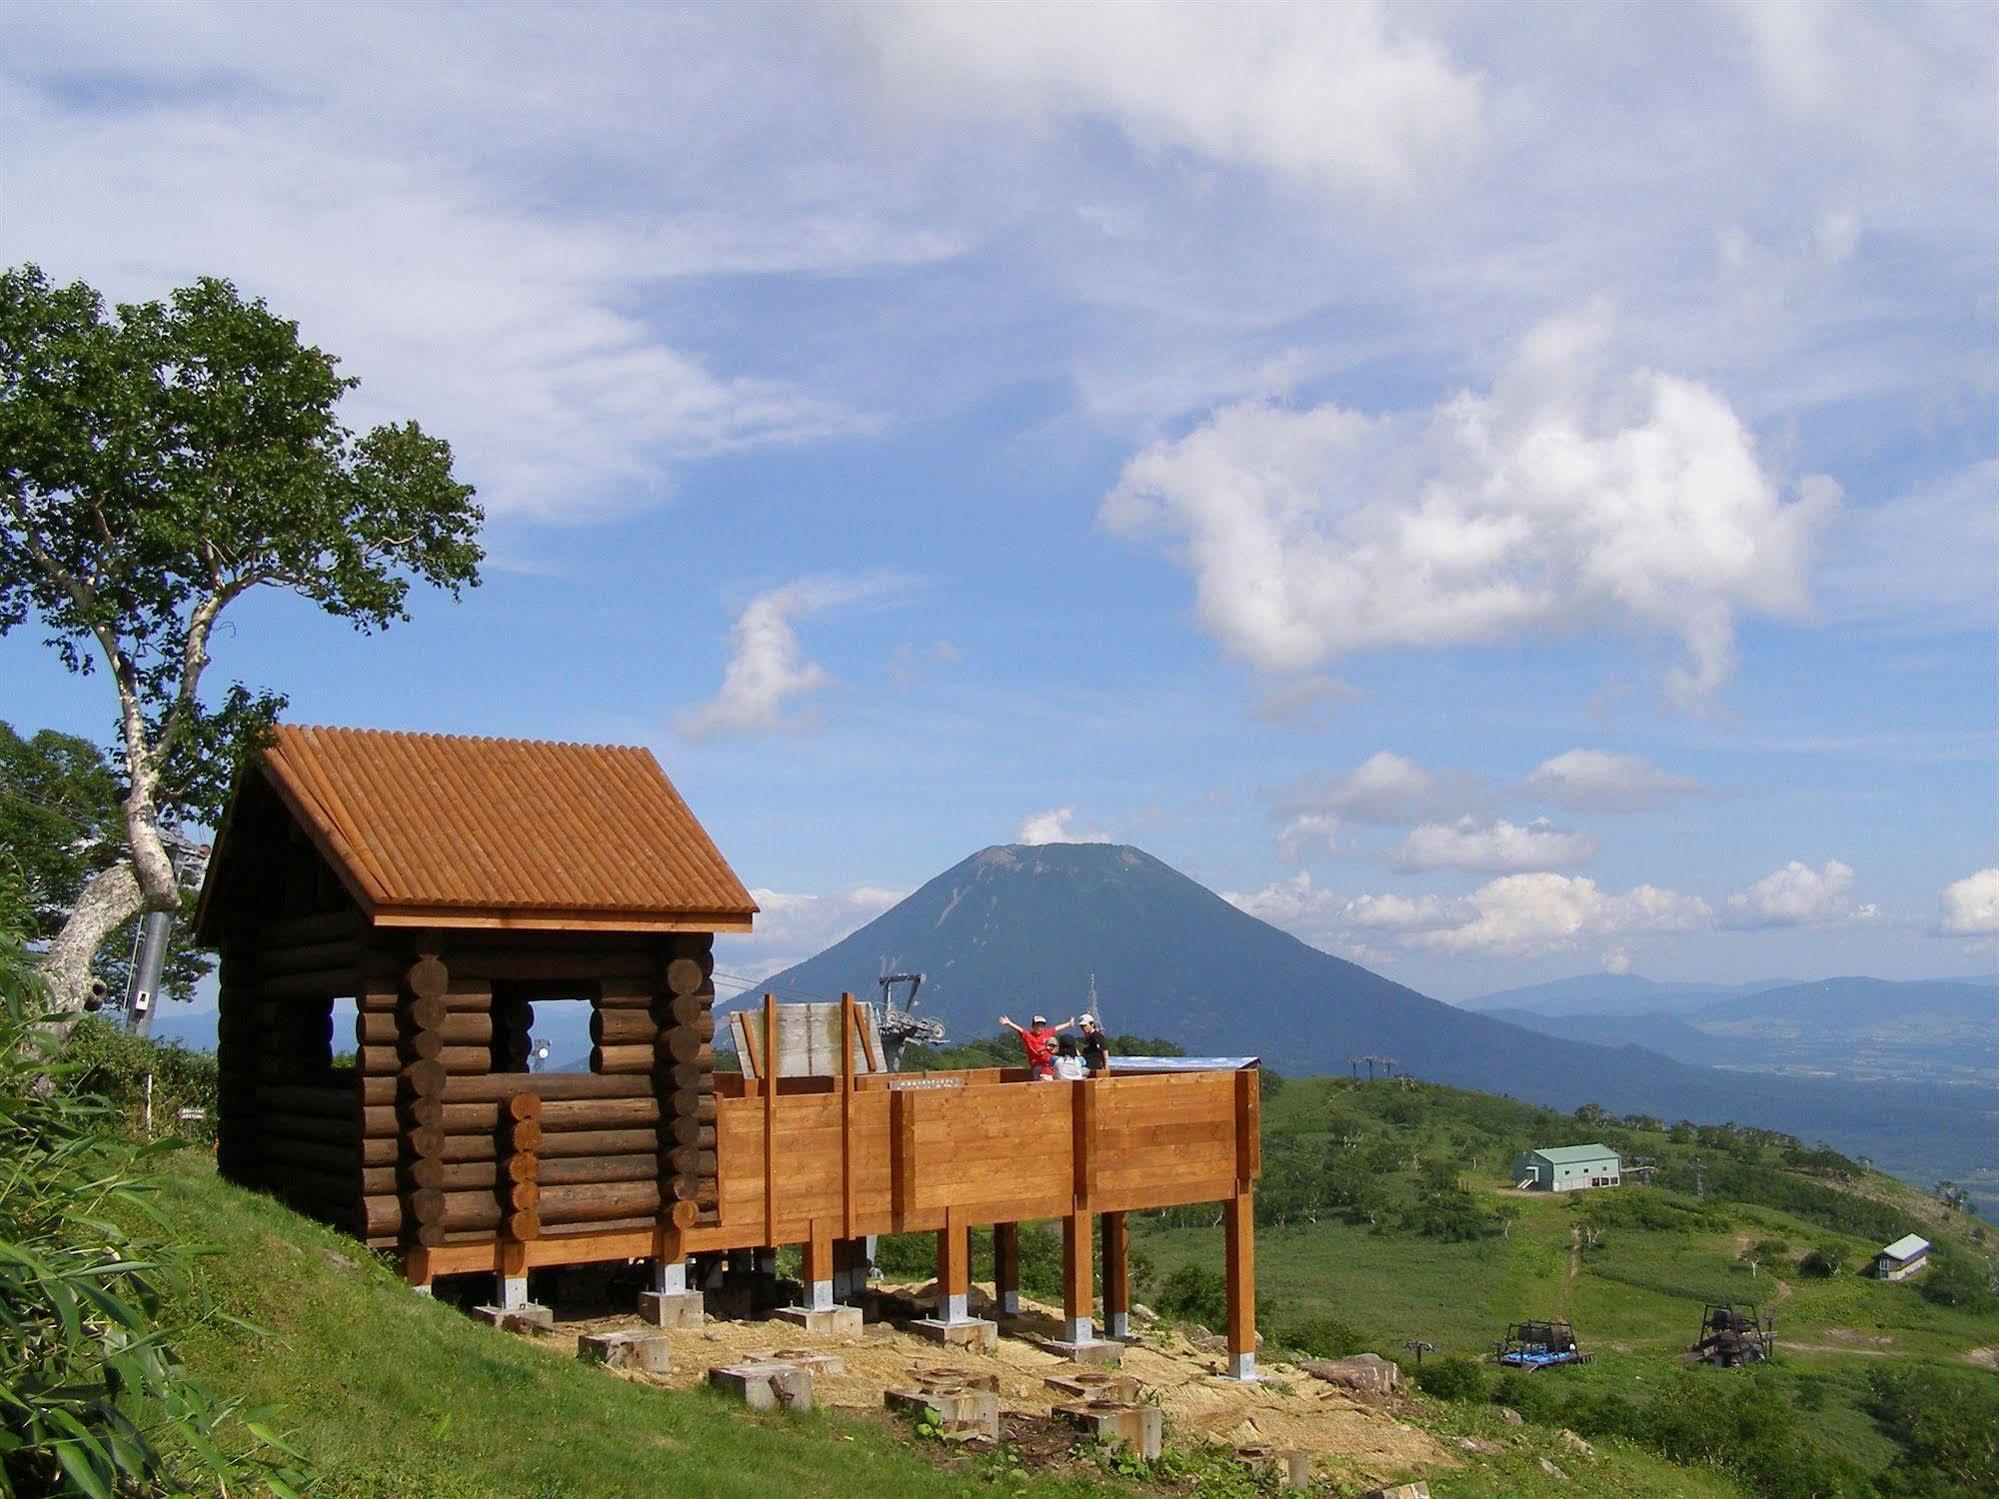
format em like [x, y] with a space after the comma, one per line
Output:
[391, 1395]
[1388, 1210]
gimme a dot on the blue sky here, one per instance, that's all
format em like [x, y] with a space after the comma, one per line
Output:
[1498, 491]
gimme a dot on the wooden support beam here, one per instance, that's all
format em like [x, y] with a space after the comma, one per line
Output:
[1239, 1228]
[770, 1073]
[1117, 1275]
[954, 1256]
[1006, 1267]
[1077, 1288]
[1084, 1134]
[818, 1253]
[846, 1115]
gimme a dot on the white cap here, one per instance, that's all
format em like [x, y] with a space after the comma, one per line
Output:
[1089, 1020]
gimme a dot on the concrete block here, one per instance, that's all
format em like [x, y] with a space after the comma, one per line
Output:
[1292, 1469]
[946, 1376]
[765, 1387]
[671, 1308]
[524, 1319]
[1404, 1491]
[972, 1334]
[1368, 1373]
[833, 1321]
[804, 1358]
[626, 1349]
[1142, 1428]
[960, 1411]
[1101, 1352]
[1094, 1384]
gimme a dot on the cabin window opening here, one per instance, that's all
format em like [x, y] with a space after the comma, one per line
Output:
[344, 1044]
[542, 1027]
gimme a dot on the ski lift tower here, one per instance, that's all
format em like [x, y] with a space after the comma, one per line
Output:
[899, 1025]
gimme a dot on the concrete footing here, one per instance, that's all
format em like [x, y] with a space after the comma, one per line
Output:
[832, 1321]
[1142, 1428]
[527, 1318]
[627, 1349]
[765, 1387]
[805, 1358]
[971, 1333]
[948, 1377]
[672, 1308]
[961, 1413]
[1242, 1367]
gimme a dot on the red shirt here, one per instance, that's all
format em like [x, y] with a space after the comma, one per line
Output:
[1040, 1046]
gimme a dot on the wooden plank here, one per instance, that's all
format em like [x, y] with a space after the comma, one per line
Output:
[1006, 1258]
[847, 1115]
[1083, 1146]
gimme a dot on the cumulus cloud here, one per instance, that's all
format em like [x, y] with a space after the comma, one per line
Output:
[1052, 826]
[1566, 495]
[1384, 788]
[1591, 780]
[1287, 903]
[1797, 895]
[1307, 703]
[1347, 96]
[791, 927]
[767, 668]
[1971, 906]
[1523, 915]
[1314, 831]
[1494, 847]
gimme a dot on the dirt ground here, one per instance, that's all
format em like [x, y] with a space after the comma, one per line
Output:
[1287, 1408]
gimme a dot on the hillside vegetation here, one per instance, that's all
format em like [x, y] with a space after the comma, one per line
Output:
[1386, 1216]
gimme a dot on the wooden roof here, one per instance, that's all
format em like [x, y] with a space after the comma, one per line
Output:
[448, 830]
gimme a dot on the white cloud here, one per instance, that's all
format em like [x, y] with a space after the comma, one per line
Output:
[1053, 827]
[1797, 895]
[1589, 780]
[767, 668]
[1403, 913]
[1347, 96]
[1384, 788]
[1971, 906]
[1495, 847]
[1307, 703]
[791, 927]
[1287, 903]
[1617, 960]
[1523, 915]
[1303, 834]
[1564, 496]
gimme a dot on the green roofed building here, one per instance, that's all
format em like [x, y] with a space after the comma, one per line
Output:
[1568, 1168]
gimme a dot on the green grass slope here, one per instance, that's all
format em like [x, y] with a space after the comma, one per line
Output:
[391, 1395]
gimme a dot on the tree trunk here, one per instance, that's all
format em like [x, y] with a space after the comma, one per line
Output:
[111, 899]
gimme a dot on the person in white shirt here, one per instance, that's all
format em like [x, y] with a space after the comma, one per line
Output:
[1069, 1062]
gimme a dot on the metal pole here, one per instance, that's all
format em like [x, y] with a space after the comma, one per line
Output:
[142, 992]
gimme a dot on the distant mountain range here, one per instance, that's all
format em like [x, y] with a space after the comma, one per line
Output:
[1020, 929]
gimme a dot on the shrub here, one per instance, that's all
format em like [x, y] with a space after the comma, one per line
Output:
[92, 1400]
[1771, 1249]
[1820, 1263]
[1955, 1279]
[1451, 1377]
[1535, 1397]
[111, 1062]
[1324, 1337]
[1946, 1426]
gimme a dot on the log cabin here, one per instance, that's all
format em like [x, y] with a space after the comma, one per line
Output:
[445, 885]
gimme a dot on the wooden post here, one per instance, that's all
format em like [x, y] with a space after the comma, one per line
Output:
[770, 1118]
[954, 1268]
[1117, 1276]
[1006, 1268]
[1082, 1141]
[818, 1273]
[1239, 1225]
[1078, 1321]
[847, 1116]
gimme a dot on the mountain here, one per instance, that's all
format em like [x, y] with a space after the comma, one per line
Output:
[1611, 994]
[1668, 1035]
[1836, 1004]
[1018, 929]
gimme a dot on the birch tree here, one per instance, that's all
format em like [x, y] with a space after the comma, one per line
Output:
[157, 463]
